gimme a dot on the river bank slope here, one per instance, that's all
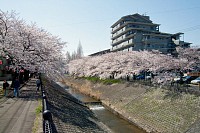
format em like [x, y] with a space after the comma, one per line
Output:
[153, 109]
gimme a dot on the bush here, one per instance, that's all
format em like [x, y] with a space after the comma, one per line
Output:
[104, 81]
[111, 81]
[93, 79]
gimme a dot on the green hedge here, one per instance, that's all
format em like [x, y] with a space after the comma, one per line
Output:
[104, 81]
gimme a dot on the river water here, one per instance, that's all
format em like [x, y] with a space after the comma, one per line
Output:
[112, 121]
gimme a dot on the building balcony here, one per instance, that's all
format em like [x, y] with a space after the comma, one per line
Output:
[126, 30]
[156, 41]
[119, 33]
[124, 46]
[122, 40]
[115, 29]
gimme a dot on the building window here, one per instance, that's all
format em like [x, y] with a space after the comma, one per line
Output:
[147, 37]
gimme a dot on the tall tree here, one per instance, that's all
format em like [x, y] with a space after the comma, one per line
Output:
[74, 55]
[79, 53]
[68, 57]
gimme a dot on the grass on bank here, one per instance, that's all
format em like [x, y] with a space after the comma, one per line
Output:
[104, 81]
[38, 119]
[38, 110]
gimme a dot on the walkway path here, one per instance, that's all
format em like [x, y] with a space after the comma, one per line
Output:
[17, 114]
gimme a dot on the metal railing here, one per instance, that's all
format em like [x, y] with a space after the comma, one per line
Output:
[47, 116]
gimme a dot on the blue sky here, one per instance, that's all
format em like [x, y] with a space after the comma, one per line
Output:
[89, 21]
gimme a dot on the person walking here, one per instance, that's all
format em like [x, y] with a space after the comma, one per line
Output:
[16, 87]
[38, 83]
[5, 86]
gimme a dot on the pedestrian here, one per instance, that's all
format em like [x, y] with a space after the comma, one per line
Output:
[172, 81]
[134, 76]
[127, 77]
[38, 83]
[16, 87]
[5, 86]
[21, 75]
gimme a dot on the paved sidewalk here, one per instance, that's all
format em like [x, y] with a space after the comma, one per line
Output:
[17, 114]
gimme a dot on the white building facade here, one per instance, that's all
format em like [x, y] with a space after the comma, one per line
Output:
[138, 32]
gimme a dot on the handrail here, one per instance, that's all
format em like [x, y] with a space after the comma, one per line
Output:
[47, 117]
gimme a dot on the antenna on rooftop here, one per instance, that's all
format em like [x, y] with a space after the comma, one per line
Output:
[144, 14]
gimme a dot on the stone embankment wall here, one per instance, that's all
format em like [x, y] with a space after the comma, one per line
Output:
[154, 110]
[115, 97]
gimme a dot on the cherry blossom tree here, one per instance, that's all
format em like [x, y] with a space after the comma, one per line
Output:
[30, 46]
[122, 63]
[192, 56]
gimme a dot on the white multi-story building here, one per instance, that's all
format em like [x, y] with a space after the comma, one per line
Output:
[138, 32]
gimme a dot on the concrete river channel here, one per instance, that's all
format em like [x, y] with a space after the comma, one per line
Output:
[112, 121]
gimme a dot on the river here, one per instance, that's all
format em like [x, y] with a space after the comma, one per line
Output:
[112, 121]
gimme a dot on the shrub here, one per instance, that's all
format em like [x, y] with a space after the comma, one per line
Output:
[104, 81]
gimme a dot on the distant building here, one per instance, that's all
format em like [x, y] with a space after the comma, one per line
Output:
[137, 32]
[100, 52]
